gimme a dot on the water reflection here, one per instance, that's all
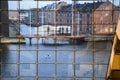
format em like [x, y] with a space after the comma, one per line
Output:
[48, 61]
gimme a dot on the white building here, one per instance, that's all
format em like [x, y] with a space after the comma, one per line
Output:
[13, 15]
[23, 15]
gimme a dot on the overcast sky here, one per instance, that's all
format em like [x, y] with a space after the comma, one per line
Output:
[27, 4]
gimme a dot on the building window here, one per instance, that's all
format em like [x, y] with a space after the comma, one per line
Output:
[111, 29]
[106, 14]
[100, 13]
[101, 26]
[106, 29]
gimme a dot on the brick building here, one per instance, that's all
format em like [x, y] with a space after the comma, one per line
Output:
[87, 18]
[49, 13]
[105, 18]
[99, 16]
[64, 14]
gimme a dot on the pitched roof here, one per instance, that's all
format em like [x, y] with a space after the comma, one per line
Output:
[82, 7]
[91, 6]
[51, 6]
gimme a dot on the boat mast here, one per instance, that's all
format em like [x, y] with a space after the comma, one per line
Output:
[72, 20]
[30, 21]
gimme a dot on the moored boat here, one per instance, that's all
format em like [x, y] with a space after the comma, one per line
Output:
[56, 35]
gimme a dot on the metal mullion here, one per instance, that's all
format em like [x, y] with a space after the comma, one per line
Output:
[93, 42]
[37, 50]
[45, 63]
[72, 77]
[27, 63]
[79, 63]
[37, 41]
[45, 77]
[74, 43]
[66, 63]
[91, 50]
[56, 63]
[18, 76]
[27, 77]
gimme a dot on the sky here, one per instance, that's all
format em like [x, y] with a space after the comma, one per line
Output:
[27, 4]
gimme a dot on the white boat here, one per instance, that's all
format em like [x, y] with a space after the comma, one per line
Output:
[57, 41]
[56, 34]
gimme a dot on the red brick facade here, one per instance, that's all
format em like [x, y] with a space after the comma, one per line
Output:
[105, 19]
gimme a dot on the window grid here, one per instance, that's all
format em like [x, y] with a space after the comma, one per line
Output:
[36, 64]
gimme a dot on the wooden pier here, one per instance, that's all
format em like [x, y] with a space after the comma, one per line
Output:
[51, 36]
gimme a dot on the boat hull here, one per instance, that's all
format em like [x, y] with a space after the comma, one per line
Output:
[55, 41]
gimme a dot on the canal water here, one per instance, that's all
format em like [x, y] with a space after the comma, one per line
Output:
[54, 62]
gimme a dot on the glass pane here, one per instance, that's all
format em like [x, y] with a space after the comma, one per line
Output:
[46, 56]
[84, 70]
[28, 6]
[27, 78]
[28, 56]
[27, 46]
[65, 56]
[47, 70]
[13, 5]
[27, 70]
[102, 57]
[9, 79]
[102, 45]
[65, 70]
[66, 47]
[0, 70]
[100, 78]
[9, 70]
[84, 56]
[9, 57]
[65, 79]
[84, 79]
[12, 47]
[100, 70]
[46, 79]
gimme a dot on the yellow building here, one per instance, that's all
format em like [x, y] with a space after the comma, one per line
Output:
[114, 64]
